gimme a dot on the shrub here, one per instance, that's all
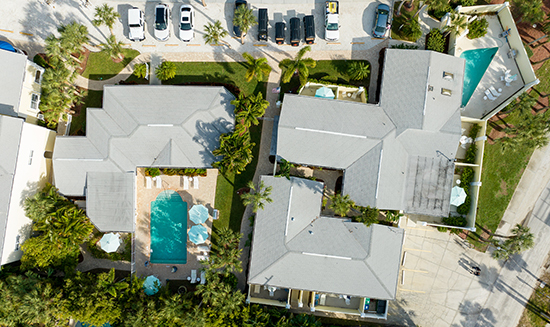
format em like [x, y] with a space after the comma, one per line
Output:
[166, 71]
[458, 221]
[435, 41]
[411, 29]
[40, 61]
[368, 215]
[464, 208]
[442, 229]
[153, 172]
[467, 3]
[329, 78]
[478, 28]
[404, 46]
[140, 70]
[471, 152]
[194, 172]
[466, 178]
[358, 70]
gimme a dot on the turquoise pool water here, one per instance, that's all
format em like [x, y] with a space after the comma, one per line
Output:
[168, 229]
[477, 62]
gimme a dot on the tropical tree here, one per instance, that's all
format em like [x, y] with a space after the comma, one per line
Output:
[140, 70]
[531, 131]
[219, 294]
[45, 201]
[244, 19]
[257, 68]
[305, 320]
[523, 106]
[105, 15]
[225, 253]
[53, 48]
[411, 29]
[73, 37]
[341, 205]
[113, 47]
[257, 197]
[299, 65]
[358, 70]
[457, 24]
[249, 109]
[522, 239]
[284, 169]
[214, 33]
[437, 5]
[107, 283]
[393, 215]
[236, 150]
[166, 70]
[530, 10]
[368, 215]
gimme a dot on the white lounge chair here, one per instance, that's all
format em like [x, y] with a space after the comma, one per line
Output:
[510, 79]
[196, 182]
[185, 182]
[203, 277]
[148, 182]
[495, 92]
[489, 95]
[202, 258]
[158, 182]
[193, 276]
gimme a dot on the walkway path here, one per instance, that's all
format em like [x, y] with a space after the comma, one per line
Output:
[156, 60]
[90, 263]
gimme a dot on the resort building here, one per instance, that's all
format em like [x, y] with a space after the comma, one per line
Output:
[24, 168]
[138, 126]
[20, 84]
[397, 154]
[302, 260]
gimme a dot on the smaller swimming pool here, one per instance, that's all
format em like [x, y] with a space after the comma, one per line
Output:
[168, 229]
[477, 62]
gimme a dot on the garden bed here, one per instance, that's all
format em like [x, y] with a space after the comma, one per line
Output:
[100, 66]
[124, 252]
[398, 21]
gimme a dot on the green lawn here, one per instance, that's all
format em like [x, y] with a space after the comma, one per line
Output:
[100, 66]
[399, 21]
[543, 73]
[231, 73]
[537, 305]
[92, 100]
[227, 201]
[333, 68]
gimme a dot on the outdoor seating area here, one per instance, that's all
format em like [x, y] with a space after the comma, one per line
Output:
[198, 193]
[337, 92]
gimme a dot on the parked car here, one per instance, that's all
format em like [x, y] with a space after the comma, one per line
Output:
[187, 23]
[309, 29]
[237, 29]
[136, 24]
[262, 24]
[381, 21]
[280, 28]
[332, 25]
[8, 47]
[162, 17]
[295, 36]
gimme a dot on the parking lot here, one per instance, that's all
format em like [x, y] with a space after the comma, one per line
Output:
[31, 20]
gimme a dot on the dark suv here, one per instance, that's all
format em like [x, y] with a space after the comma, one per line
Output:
[262, 24]
[295, 34]
[309, 29]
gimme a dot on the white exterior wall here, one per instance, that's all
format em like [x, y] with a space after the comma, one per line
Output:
[29, 88]
[28, 179]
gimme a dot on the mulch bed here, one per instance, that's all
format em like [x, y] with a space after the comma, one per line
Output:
[463, 234]
[80, 69]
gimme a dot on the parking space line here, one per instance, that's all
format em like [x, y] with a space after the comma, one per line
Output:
[334, 43]
[171, 45]
[149, 45]
[193, 45]
[357, 42]
[407, 290]
[417, 250]
[414, 270]
[8, 31]
[217, 45]
[260, 45]
[29, 34]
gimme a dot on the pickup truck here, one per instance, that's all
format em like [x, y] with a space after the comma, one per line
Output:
[332, 27]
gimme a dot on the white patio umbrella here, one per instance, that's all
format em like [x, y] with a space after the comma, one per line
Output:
[198, 214]
[198, 234]
[151, 285]
[324, 92]
[109, 242]
[458, 196]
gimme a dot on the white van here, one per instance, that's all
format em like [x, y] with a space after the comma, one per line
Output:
[136, 24]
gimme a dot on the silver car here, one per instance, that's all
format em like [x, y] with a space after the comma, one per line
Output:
[162, 18]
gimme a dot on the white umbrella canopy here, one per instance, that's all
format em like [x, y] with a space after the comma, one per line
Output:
[198, 214]
[458, 196]
[110, 242]
[198, 234]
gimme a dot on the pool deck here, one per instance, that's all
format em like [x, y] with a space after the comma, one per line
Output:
[205, 195]
[477, 107]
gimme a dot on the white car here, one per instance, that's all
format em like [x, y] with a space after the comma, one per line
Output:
[162, 18]
[136, 24]
[187, 23]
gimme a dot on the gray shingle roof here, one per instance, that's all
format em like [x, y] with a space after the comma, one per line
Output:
[12, 66]
[377, 144]
[293, 247]
[10, 137]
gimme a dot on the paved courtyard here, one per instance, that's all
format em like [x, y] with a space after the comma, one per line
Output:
[204, 195]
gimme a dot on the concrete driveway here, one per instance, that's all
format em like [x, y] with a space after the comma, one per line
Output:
[32, 21]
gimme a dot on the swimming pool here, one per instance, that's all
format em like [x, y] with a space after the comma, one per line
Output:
[168, 229]
[477, 61]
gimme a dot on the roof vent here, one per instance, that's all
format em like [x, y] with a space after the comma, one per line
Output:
[311, 232]
[430, 88]
[446, 92]
[448, 76]
[291, 218]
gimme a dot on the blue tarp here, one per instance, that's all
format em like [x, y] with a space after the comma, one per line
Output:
[6, 46]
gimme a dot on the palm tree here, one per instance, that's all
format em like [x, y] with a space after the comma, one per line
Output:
[298, 65]
[68, 226]
[284, 169]
[140, 70]
[236, 149]
[341, 205]
[216, 293]
[214, 33]
[244, 19]
[227, 237]
[113, 48]
[368, 215]
[73, 36]
[252, 109]
[257, 197]
[458, 24]
[257, 68]
[53, 48]
[358, 70]
[166, 70]
[530, 10]
[411, 29]
[105, 15]
[531, 131]
[437, 5]
[108, 283]
[521, 240]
